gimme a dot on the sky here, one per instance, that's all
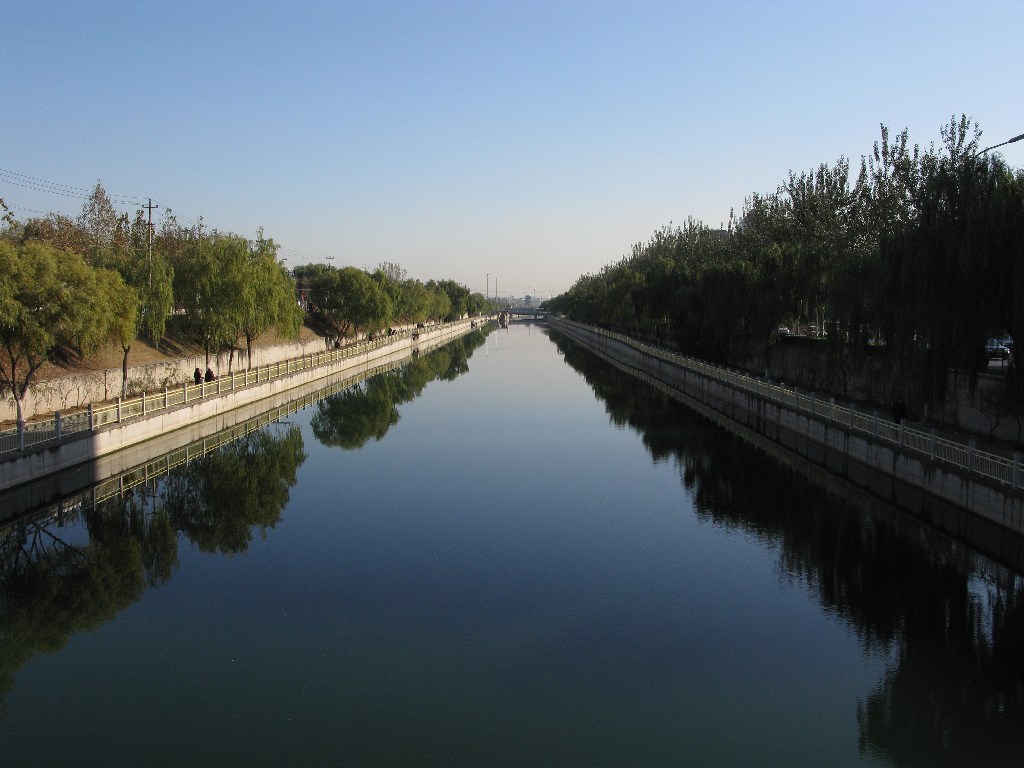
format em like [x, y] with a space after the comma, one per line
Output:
[510, 146]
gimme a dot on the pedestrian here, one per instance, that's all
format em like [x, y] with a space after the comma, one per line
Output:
[209, 374]
[899, 410]
[198, 376]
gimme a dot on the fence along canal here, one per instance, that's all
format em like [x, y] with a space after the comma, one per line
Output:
[66, 426]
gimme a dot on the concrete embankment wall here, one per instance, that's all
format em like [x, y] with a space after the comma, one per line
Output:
[68, 392]
[886, 470]
[117, 437]
[977, 406]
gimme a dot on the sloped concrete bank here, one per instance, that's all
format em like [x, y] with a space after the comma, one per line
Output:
[892, 473]
[32, 466]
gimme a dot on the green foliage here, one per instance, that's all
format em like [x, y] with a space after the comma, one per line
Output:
[348, 299]
[414, 302]
[121, 315]
[208, 286]
[268, 296]
[458, 299]
[49, 300]
[921, 252]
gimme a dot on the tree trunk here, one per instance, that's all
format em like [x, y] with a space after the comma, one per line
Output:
[124, 370]
[20, 388]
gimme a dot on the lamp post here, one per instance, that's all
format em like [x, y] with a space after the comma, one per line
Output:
[994, 146]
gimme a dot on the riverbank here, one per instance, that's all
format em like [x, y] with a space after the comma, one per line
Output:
[103, 431]
[859, 447]
[68, 384]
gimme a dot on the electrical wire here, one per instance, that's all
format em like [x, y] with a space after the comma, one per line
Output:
[64, 190]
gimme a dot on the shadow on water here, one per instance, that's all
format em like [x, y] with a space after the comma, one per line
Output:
[950, 619]
[74, 565]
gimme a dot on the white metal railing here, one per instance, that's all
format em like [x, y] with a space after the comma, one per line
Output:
[1005, 469]
[66, 426]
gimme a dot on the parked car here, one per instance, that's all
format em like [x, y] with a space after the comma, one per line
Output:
[996, 351]
[783, 331]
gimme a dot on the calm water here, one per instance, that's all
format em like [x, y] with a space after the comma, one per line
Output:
[506, 554]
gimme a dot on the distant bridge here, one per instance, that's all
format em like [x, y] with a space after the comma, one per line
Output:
[534, 312]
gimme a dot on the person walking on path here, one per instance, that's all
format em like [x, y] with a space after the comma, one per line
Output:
[198, 376]
[899, 410]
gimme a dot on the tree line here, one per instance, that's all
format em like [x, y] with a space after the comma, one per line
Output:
[916, 256]
[70, 285]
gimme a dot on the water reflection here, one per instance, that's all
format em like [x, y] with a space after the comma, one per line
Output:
[73, 567]
[73, 573]
[950, 622]
[365, 411]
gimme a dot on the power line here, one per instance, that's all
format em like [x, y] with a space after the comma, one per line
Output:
[15, 207]
[64, 190]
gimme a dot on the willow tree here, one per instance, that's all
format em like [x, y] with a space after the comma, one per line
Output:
[121, 316]
[458, 297]
[268, 296]
[347, 299]
[49, 300]
[210, 278]
[948, 270]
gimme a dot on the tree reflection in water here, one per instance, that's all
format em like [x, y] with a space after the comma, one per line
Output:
[218, 503]
[952, 622]
[66, 573]
[58, 579]
[367, 410]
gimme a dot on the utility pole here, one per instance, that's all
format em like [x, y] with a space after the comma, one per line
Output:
[330, 259]
[488, 285]
[149, 230]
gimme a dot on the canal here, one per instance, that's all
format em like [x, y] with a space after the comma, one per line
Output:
[505, 553]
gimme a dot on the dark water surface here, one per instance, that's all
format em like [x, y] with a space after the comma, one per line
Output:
[506, 554]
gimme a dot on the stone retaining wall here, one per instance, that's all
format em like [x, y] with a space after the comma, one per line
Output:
[68, 392]
[820, 440]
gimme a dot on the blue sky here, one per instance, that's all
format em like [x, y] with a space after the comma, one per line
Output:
[530, 141]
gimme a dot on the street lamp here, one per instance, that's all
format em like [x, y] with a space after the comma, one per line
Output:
[994, 146]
